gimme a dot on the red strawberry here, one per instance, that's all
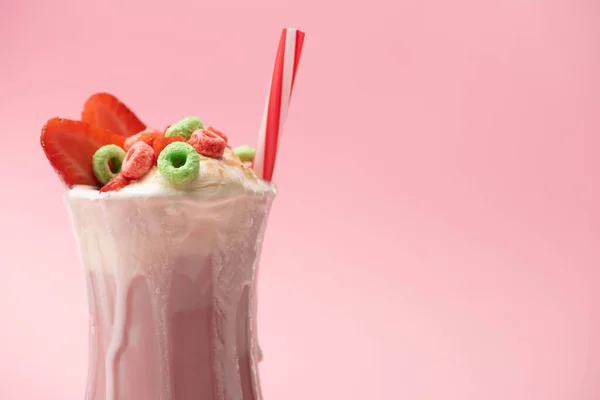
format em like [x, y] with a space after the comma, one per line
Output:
[148, 135]
[106, 112]
[160, 143]
[70, 146]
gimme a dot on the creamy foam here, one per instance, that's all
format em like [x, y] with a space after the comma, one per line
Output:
[222, 177]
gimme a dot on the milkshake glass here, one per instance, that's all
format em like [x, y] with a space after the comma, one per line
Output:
[169, 225]
[171, 285]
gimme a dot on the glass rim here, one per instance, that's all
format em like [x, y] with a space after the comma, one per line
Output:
[92, 193]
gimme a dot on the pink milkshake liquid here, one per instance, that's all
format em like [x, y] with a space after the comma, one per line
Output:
[171, 283]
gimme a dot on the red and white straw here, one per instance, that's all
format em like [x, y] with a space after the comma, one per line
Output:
[278, 101]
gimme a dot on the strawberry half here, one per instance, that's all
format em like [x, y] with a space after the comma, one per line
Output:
[106, 112]
[70, 146]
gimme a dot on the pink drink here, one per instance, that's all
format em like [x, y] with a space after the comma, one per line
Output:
[171, 284]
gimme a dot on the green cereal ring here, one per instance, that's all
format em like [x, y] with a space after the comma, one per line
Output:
[244, 153]
[179, 163]
[107, 162]
[184, 128]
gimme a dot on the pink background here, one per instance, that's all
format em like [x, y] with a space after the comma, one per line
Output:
[437, 232]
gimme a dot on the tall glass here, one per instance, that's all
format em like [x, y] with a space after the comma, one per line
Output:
[171, 284]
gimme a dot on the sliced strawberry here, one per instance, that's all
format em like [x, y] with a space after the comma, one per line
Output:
[70, 146]
[106, 112]
[147, 135]
[160, 143]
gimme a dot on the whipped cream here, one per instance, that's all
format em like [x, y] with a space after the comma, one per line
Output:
[222, 177]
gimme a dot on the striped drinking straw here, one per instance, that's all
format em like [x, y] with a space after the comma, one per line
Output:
[278, 101]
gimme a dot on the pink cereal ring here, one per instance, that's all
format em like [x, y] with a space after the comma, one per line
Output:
[147, 135]
[117, 183]
[208, 143]
[138, 160]
[210, 128]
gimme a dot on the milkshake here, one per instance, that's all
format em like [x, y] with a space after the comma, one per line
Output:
[171, 282]
[169, 224]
